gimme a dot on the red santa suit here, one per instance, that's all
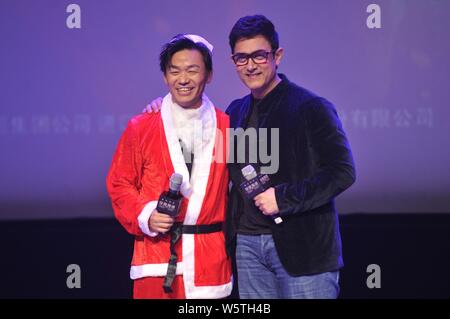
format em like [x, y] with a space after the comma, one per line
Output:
[148, 153]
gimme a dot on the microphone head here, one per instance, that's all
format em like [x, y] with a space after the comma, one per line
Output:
[175, 182]
[249, 172]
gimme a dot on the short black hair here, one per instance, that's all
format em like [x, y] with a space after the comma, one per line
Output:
[251, 26]
[178, 43]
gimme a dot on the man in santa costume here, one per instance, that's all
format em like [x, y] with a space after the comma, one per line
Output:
[182, 257]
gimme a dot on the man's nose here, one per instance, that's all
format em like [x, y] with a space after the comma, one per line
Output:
[251, 66]
[183, 79]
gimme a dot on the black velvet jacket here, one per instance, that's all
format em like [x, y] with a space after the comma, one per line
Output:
[315, 165]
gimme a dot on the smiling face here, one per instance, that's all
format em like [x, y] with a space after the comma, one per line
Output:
[186, 77]
[259, 78]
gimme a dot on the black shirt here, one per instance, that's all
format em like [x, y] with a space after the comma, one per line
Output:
[188, 157]
[252, 221]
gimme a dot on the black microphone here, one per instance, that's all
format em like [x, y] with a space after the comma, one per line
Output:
[255, 184]
[169, 202]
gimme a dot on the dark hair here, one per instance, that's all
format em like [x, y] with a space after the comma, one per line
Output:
[178, 43]
[251, 26]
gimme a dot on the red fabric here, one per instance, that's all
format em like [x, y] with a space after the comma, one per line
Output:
[151, 288]
[129, 189]
[140, 172]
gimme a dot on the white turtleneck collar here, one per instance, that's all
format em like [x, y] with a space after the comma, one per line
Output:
[191, 125]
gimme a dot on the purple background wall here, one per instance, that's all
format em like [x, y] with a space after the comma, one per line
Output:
[66, 94]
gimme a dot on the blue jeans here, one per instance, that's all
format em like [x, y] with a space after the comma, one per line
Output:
[262, 276]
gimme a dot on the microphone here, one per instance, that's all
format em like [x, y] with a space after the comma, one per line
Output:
[255, 184]
[169, 202]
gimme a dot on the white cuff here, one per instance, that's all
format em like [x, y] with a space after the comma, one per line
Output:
[144, 217]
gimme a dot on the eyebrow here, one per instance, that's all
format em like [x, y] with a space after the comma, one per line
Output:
[242, 53]
[171, 66]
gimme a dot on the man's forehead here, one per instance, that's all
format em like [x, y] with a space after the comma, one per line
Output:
[187, 58]
[250, 45]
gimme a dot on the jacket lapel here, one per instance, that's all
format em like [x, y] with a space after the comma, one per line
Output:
[244, 113]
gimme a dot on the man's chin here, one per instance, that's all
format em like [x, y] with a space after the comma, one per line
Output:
[253, 85]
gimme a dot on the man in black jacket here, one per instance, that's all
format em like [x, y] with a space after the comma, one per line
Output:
[301, 256]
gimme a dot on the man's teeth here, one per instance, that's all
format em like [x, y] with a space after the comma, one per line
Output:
[184, 89]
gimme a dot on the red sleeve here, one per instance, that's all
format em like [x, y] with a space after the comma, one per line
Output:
[124, 181]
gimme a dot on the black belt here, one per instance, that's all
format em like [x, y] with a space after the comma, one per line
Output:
[202, 229]
[175, 234]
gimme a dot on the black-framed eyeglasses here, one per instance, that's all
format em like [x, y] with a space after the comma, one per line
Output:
[258, 57]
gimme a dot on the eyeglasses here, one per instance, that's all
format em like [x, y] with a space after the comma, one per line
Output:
[258, 57]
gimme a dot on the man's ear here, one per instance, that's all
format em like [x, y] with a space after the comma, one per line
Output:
[165, 79]
[278, 56]
[210, 77]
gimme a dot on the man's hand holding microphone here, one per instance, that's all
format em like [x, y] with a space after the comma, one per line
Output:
[163, 217]
[257, 187]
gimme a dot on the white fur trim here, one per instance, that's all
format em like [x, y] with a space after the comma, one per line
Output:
[144, 217]
[200, 176]
[203, 152]
[211, 292]
[199, 292]
[176, 155]
[153, 270]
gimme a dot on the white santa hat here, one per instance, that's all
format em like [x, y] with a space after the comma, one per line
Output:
[198, 39]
